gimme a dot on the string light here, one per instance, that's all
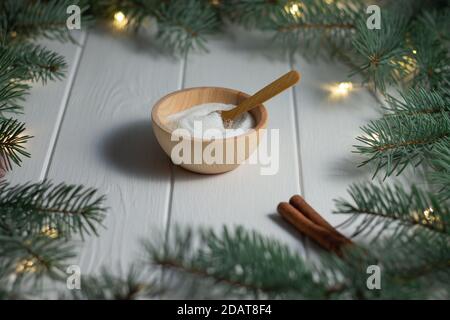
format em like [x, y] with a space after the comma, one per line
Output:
[428, 217]
[338, 90]
[21, 81]
[428, 214]
[408, 63]
[27, 265]
[50, 232]
[341, 89]
[215, 2]
[120, 20]
[344, 87]
[294, 9]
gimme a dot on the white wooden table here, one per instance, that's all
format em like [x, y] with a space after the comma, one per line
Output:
[94, 128]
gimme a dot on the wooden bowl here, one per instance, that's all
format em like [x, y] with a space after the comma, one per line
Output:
[244, 145]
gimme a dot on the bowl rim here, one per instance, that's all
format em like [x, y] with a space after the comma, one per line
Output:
[260, 125]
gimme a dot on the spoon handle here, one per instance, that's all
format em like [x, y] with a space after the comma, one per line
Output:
[269, 91]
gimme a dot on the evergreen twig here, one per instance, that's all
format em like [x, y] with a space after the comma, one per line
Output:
[12, 138]
[28, 208]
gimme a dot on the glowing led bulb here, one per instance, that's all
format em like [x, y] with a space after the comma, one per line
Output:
[120, 20]
[50, 232]
[27, 265]
[344, 87]
[338, 91]
[407, 62]
[428, 213]
[294, 9]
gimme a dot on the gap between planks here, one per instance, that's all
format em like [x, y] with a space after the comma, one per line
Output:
[181, 81]
[294, 104]
[62, 110]
[297, 139]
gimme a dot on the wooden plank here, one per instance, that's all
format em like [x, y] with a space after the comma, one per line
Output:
[106, 141]
[43, 112]
[243, 196]
[328, 125]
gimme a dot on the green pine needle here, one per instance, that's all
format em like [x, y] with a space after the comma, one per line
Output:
[12, 140]
[184, 24]
[384, 206]
[237, 263]
[310, 26]
[380, 50]
[396, 142]
[28, 208]
[108, 286]
[23, 19]
[35, 255]
[410, 229]
[419, 101]
[12, 89]
[40, 63]
[440, 177]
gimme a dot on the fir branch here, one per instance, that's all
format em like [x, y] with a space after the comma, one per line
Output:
[24, 19]
[381, 51]
[436, 23]
[12, 90]
[29, 208]
[40, 64]
[12, 138]
[317, 15]
[428, 259]
[251, 14]
[440, 177]
[237, 263]
[245, 264]
[310, 24]
[184, 24]
[413, 265]
[28, 259]
[394, 143]
[7, 289]
[107, 286]
[384, 206]
[432, 58]
[36, 254]
[135, 10]
[418, 101]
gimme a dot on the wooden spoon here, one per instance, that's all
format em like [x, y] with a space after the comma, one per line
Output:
[284, 82]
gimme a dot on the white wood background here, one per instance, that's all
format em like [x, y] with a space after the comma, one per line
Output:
[94, 128]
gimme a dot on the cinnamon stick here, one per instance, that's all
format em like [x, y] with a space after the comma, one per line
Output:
[309, 212]
[323, 237]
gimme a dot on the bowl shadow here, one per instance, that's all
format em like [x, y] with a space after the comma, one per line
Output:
[133, 150]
